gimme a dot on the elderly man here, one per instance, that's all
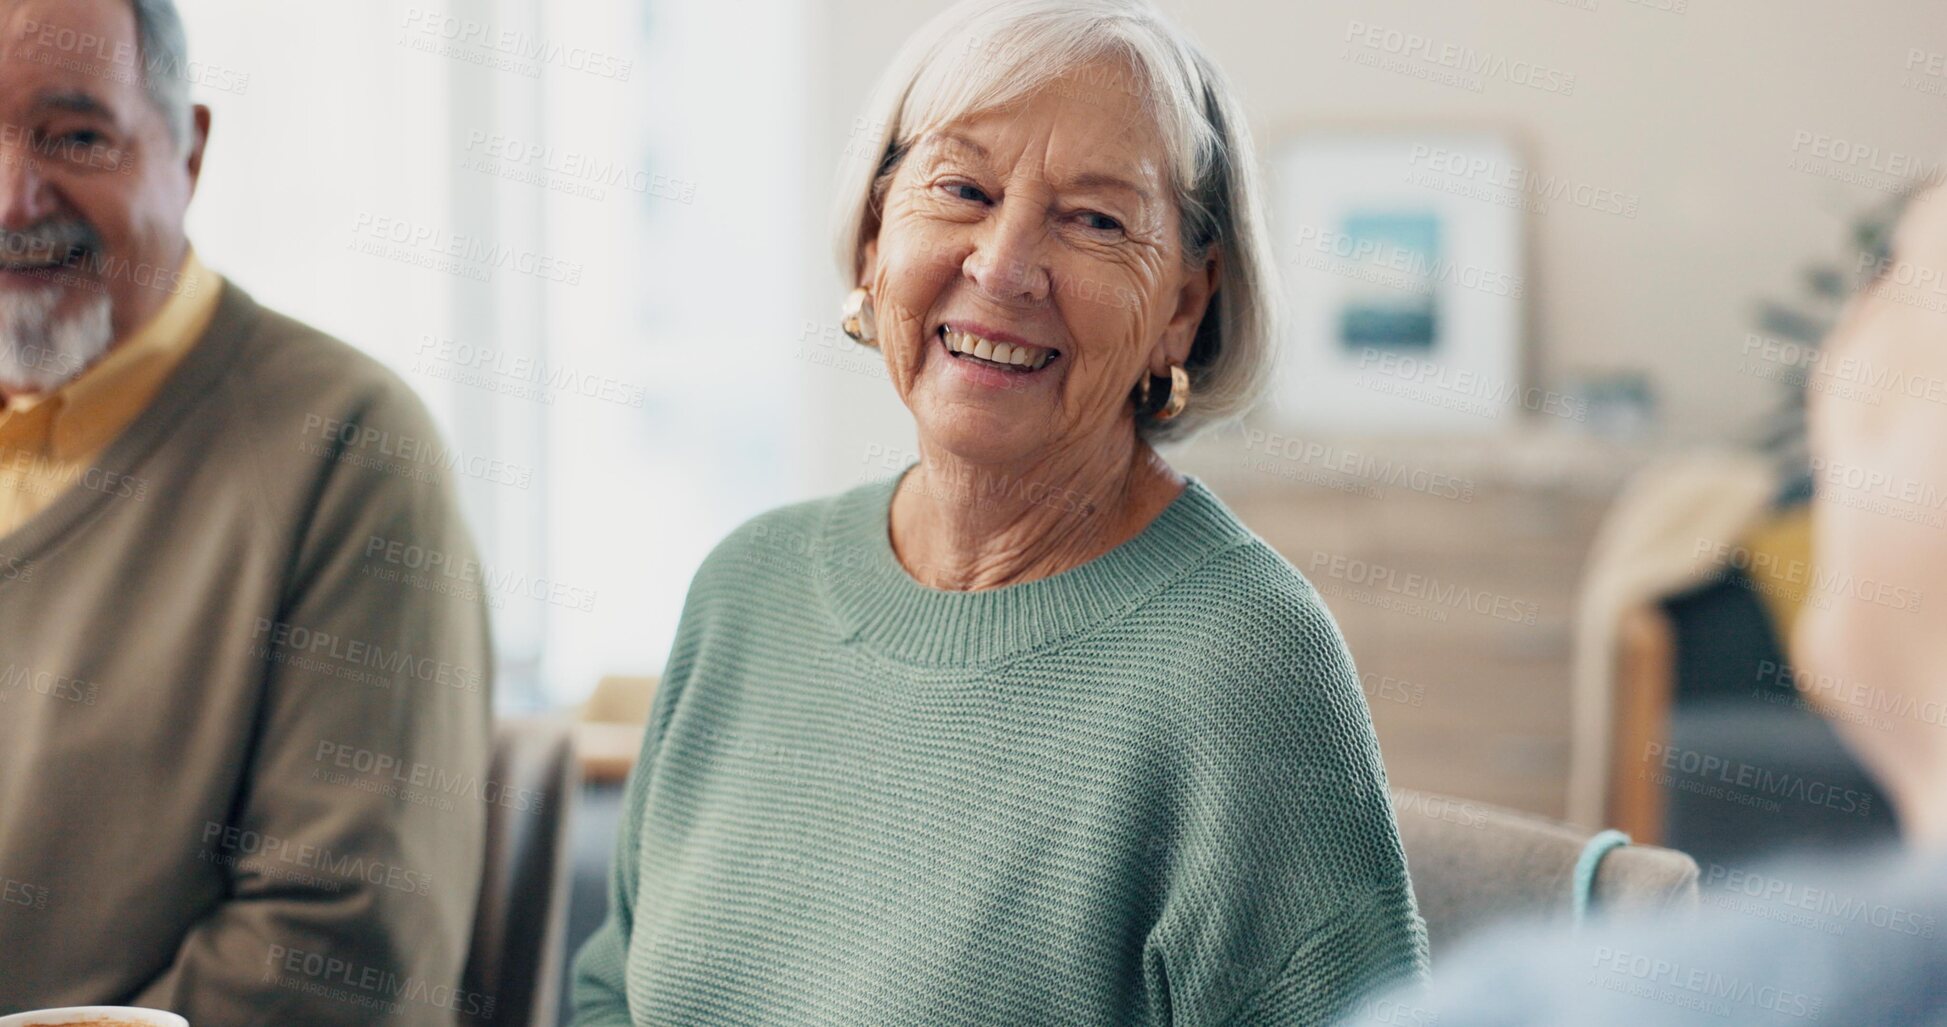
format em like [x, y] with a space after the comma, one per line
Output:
[242, 742]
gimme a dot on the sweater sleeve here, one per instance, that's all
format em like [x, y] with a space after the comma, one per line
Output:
[353, 846]
[1288, 899]
[600, 984]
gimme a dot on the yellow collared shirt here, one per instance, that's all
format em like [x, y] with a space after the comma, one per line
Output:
[48, 443]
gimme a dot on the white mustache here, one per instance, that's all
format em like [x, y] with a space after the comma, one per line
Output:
[47, 241]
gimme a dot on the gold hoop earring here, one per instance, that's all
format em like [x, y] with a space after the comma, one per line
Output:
[859, 320]
[1178, 398]
[1179, 394]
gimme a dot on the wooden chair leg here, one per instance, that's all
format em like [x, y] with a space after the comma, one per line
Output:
[1644, 696]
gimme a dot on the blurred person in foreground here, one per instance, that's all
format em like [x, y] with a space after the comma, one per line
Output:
[1035, 732]
[239, 762]
[1800, 941]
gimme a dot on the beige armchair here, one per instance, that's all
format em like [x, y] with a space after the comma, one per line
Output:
[1474, 865]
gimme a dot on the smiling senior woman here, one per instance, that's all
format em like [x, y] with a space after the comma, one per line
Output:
[1037, 732]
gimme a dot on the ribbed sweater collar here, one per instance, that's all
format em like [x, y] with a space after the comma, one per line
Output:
[878, 604]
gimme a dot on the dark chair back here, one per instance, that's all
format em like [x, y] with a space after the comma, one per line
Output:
[519, 927]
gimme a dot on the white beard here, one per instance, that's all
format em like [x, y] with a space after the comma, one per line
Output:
[40, 353]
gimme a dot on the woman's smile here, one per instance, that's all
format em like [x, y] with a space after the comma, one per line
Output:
[986, 356]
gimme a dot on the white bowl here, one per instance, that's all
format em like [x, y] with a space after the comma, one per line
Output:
[82, 1014]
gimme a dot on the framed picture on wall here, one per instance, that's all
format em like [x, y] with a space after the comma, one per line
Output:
[1402, 261]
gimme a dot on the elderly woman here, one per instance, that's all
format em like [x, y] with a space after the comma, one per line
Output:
[1037, 732]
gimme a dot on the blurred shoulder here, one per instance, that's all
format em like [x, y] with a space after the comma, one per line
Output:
[304, 400]
[289, 375]
[289, 371]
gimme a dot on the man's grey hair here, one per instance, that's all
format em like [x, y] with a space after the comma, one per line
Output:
[983, 55]
[165, 63]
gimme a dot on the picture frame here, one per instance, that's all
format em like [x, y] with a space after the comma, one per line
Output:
[1402, 255]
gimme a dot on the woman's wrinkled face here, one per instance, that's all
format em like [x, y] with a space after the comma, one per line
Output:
[1028, 270]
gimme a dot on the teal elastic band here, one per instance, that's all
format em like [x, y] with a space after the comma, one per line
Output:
[1587, 864]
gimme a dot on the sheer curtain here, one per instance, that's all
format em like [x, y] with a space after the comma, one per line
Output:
[560, 223]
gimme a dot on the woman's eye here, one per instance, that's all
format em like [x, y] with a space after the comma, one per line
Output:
[1100, 222]
[966, 191]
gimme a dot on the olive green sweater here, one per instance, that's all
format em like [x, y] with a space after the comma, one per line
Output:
[243, 751]
[1141, 792]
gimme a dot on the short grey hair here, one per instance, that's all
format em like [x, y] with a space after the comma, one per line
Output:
[982, 55]
[165, 63]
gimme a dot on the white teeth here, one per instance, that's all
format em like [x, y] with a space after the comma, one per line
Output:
[1030, 357]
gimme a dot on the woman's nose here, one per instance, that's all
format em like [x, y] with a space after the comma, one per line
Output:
[1007, 261]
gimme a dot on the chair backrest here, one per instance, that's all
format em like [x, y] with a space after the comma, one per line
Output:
[1473, 865]
[518, 929]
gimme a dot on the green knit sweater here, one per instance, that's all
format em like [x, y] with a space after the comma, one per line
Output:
[1144, 791]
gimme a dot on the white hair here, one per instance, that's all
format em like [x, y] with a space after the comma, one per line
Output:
[40, 352]
[983, 55]
[164, 54]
